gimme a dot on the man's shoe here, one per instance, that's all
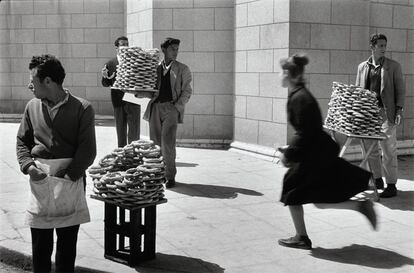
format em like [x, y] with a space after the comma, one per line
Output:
[390, 191]
[379, 183]
[303, 242]
[170, 183]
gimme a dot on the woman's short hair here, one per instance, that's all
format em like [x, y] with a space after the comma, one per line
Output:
[295, 64]
[375, 37]
[48, 66]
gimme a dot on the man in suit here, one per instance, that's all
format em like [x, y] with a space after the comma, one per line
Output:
[384, 77]
[166, 109]
[127, 115]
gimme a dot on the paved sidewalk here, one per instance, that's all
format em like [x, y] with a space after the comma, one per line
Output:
[224, 216]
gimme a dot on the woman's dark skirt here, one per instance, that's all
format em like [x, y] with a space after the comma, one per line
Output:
[334, 181]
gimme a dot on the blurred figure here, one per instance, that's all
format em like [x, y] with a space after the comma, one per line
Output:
[316, 174]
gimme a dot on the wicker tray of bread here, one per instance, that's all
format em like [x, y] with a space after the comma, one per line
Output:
[137, 68]
[139, 93]
[353, 110]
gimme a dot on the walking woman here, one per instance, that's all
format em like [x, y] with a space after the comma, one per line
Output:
[316, 174]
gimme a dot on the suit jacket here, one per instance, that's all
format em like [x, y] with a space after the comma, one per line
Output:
[180, 78]
[392, 85]
[116, 95]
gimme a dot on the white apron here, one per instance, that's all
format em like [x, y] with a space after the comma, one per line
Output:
[56, 202]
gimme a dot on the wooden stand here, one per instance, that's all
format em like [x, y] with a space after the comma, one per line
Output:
[365, 153]
[140, 230]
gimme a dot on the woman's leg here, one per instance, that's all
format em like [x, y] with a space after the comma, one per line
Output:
[365, 207]
[300, 240]
[298, 220]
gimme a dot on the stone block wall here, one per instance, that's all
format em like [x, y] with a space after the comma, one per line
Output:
[232, 47]
[79, 32]
[206, 31]
[261, 40]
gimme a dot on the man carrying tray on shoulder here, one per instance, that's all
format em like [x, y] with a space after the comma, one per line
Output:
[166, 109]
[384, 77]
[127, 115]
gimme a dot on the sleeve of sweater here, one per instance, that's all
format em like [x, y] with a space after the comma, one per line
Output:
[86, 149]
[25, 142]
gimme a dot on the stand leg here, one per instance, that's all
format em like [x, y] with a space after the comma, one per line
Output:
[110, 222]
[365, 162]
[122, 223]
[347, 142]
[149, 237]
[134, 237]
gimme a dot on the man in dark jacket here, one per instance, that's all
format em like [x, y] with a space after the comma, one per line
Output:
[166, 109]
[127, 115]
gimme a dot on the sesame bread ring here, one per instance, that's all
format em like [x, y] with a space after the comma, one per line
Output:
[96, 169]
[129, 148]
[153, 165]
[131, 171]
[107, 160]
[120, 191]
[142, 143]
[155, 148]
[111, 186]
[111, 177]
[95, 176]
[120, 184]
[145, 169]
[153, 159]
[152, 155]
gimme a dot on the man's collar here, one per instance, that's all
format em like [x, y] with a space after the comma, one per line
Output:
[380, 61]
[165, 66]
[61, 102]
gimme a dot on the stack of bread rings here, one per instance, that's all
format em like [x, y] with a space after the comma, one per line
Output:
[353, 110]
[132, 175]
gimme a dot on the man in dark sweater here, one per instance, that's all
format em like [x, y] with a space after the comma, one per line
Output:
[127, 115]
[58, 131]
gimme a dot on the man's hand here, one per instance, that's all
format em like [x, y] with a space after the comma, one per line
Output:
[61, 173]
[398, 116]
[105, 73]
[67, 177]
[35, 173]
[284, 161]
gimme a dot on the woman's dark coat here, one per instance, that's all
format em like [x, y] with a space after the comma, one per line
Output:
[316, 174]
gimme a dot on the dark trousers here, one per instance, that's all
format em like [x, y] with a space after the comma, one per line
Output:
[42, 248]
[127, 122]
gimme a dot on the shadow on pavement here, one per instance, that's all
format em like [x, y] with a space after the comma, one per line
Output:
[212, 191]
[167, 263]
[183, 164]
[24, 262]
[363, 255]
[405, 167]
[403, 201]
